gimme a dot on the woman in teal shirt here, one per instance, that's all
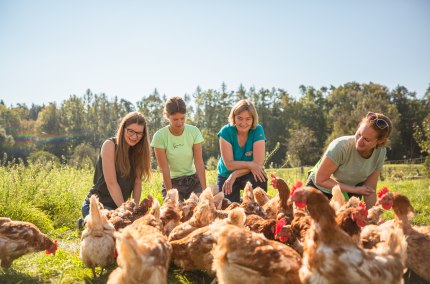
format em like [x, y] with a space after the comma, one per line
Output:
[243, 147]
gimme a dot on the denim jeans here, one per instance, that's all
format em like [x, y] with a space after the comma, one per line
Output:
[240, 184]
[86, 208]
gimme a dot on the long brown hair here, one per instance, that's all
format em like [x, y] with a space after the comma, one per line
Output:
[138, 156]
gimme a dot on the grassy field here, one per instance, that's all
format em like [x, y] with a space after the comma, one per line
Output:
[51, 198]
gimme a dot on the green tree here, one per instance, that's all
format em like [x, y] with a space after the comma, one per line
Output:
[152, 108]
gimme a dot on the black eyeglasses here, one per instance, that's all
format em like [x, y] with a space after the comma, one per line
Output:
[131, 133]
[379, 122]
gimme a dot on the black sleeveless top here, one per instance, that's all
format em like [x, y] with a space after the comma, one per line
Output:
[100, 188]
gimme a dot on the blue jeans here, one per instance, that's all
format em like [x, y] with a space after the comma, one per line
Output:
[86, 208]
[240, 184]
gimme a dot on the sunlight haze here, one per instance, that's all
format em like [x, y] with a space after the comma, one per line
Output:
[50, 50]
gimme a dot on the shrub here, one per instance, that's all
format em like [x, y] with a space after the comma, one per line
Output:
[84, 155]
[44, 158]
[211, 163]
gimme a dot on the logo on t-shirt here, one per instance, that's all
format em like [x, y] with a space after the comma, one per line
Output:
[177, 145]
[248, 154]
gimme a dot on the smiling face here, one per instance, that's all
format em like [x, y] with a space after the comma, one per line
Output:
[366, 139]
[243, 121]
[133, 134]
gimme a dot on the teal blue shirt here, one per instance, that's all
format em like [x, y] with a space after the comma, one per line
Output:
[245, 153]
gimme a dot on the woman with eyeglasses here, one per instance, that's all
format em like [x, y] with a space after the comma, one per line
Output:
[178, 150]
[124, 161]
[354, 162]
[243, 148]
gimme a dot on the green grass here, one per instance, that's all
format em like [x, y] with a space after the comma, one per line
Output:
[51, 197]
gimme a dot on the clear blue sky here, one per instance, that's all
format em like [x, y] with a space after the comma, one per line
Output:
[52, 49]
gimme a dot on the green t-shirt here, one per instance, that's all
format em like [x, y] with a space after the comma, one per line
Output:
[245, 153]
[352, 169]
[179, 149]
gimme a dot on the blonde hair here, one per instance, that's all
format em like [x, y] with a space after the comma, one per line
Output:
[138, 156]
[372, 118]
[241, 106]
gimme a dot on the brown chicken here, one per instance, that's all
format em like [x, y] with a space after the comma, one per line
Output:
[193, 252]
[260, 225]
[384, 202]
[284, 208]
[18, 238]
[418, 251]
[170, 212]
[187, 207]
[331, 256]
[97, 240]
[352, 219]
[248, 202]
[204, 214]
[260, 196]
[337, 200]
[125, 214]
[242, 256]
[152, 219]
[375, 233]
[143, 252]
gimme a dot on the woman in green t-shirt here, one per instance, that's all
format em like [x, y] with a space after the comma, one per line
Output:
[354, 162]
[178, 150]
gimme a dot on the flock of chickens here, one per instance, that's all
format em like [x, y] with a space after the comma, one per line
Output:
[298, 236]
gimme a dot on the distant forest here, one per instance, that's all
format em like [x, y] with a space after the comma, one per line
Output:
[297, 129]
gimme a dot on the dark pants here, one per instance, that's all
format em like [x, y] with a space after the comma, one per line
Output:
[185, 185]
[240, 184]
[309, 182]
[86, 208]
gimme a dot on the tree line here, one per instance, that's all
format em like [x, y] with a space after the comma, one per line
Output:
[297, 129]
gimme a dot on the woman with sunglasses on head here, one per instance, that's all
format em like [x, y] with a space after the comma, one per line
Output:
[123, 162]
[178, 150]
[354, 162]
[243, 148]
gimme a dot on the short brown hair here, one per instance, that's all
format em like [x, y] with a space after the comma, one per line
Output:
[140, 156]
[241, 106]
[174, 105]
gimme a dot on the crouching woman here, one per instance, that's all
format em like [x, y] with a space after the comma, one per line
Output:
[124, 161]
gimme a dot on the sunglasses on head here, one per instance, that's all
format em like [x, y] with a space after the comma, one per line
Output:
[379, 122]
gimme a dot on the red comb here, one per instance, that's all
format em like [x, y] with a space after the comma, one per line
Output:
[383, 191]
[296, 186]
[54, 250]
[281, 223]
[362, 207]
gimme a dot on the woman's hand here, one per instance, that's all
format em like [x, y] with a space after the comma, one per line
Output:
[364, 190]
[258, 172]
[227, 188]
